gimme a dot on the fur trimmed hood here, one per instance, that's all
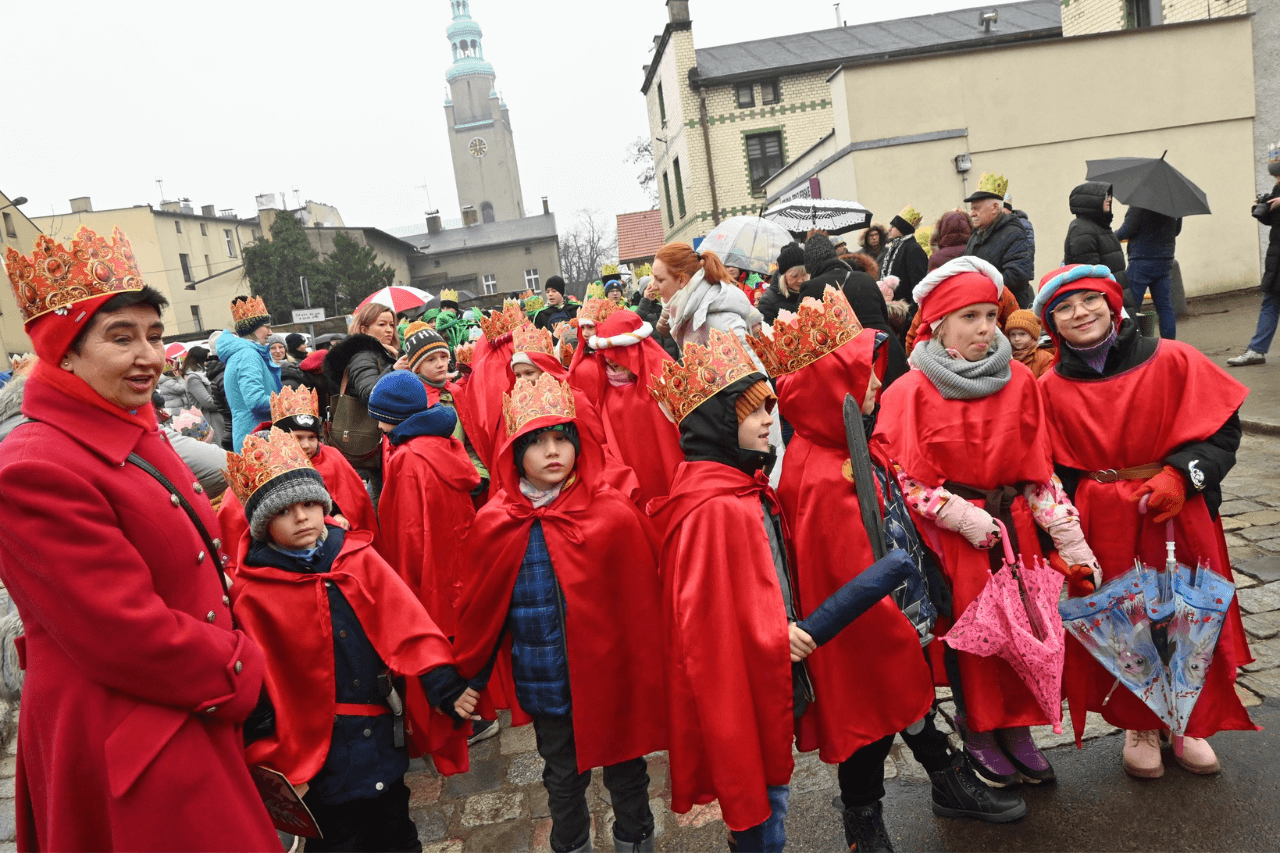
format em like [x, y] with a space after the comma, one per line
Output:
[341, 353]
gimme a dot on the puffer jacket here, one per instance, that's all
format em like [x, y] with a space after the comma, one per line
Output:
[1152, 236]
[712, 306]
[174, 391]
[1005, 245]
[363, 358]
[774, 300]
[1090, 239]
[201, 391]
[216, 373]
[250, 379]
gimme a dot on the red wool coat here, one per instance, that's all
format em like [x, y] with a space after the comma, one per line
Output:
[288, 614]
[136, 683]
[426, 512]
[1118, 422]
[997, 440]
[726, 644]
[605, 560]
[893, 687]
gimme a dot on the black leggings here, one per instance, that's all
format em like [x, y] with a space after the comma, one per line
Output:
[861, 775]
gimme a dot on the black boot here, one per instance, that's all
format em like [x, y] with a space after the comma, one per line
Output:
[957, 792]
[864, 829]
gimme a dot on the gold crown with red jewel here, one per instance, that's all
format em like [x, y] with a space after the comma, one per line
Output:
[290, 403]
[247, 312]
[529, 400]
[464, 353]
[597, 310]
[800, 339]
[56, 277]
[529, 338]
[261, 460]
[705, 372]
[503, 322]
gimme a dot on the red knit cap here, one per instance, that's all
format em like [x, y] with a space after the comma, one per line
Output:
[1071, 279]
[952, 294]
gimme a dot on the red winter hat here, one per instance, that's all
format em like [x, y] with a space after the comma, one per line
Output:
[956, 284]
[1070, 279]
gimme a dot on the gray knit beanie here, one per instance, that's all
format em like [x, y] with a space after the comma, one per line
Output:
[291, 487]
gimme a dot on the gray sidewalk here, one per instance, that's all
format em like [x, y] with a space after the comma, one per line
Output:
[1220, 327]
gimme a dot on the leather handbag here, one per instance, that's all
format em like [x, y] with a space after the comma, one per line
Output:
[351, 430]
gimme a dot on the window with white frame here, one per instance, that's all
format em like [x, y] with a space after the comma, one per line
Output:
[490, 284]
[531, 280]
[231, 243]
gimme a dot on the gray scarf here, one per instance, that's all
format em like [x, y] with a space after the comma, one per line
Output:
[957, 379]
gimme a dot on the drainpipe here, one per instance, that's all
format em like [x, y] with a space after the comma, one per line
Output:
[706, 144]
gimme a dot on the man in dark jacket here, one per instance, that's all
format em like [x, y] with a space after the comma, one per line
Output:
[1090, 239]
[1256, 353]
[1000, 238]
[904, 256]
[1152, 237]
[557, 310]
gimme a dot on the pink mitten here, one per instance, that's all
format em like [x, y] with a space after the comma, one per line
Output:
[974, 523]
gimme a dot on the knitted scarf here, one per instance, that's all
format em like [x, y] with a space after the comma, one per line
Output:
[957, 379]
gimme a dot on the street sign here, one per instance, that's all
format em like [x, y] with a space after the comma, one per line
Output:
[308, 315]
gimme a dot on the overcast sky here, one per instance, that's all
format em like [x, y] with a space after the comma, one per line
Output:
[342, 101]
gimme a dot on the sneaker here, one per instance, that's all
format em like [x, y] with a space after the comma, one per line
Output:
[988, 758]
[482, 730]
[864, 829]
[1195, 755]
[1249, 357]
[1142, 754]
[958, 792]
[1023, 753]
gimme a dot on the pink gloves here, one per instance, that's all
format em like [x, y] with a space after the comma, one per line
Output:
[972, 522]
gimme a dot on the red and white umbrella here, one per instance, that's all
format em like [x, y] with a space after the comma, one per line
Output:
[175, 350]
[398, 298]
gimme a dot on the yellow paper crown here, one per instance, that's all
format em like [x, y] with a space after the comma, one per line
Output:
[529, 338]
[643, 270]
[504, 322]
[922, 236]
[990, 182]
[533, 304]
[448, 295]
[248, 311]
[529, 400]
[288, 403]
[608, 269]
[706, 370]
[799, 340]
[595, 290]
[261, 460]
[56, 276]
[911, 215]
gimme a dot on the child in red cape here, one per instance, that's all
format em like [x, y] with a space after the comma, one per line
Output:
[568, 605]
[298, 413]
[729, 602]
[818, 357]
[428, 356]
[338, 628]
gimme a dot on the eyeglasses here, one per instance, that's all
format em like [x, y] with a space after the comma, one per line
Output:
[1091, 302]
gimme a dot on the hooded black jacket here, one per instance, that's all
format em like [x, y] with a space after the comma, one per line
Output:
[1090, 239]
[363, 358]
[1006, 245]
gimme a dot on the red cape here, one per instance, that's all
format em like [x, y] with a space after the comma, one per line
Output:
[604, 557]
[480, 398]
[427, 510]
[1120, 422]
[893, 688]
[287, 613]
[986, 443]
[726, 644]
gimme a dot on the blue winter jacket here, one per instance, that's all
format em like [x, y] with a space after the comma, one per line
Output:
[539, 662]
[1151, 235]
[249, 381]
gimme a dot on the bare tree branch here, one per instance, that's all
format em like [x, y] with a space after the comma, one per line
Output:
[587, 245]
[640, 153]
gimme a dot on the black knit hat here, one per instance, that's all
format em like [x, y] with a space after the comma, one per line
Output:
[904, 227]
[817, 252]
[555, 283]
[294, 342]
[420, 341]
[524, 442]
[792, 255]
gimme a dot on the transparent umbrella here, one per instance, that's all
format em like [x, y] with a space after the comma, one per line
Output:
[747, 242]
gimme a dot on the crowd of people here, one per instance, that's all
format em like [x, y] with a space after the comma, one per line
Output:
[569, 511]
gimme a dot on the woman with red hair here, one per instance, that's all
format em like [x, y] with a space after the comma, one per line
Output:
[700, 295]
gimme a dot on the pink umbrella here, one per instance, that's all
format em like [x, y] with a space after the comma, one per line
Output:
[398, 298]
[175, 350]
[1016, 617]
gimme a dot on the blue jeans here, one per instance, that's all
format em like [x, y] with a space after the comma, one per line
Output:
[1156, 276]
[770, 836]
[1267, 317]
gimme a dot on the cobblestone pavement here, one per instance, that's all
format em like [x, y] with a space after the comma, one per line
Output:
[500, 805]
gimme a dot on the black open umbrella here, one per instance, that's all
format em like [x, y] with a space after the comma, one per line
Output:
[1150, 183]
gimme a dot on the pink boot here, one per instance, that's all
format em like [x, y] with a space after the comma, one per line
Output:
[1142, 754]
[1195, 755]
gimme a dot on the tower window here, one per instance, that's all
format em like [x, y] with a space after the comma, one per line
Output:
[486, 212]
[675, 167]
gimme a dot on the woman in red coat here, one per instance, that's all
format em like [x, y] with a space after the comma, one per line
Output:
[1121, 449]
[966, 428]
[136, 681]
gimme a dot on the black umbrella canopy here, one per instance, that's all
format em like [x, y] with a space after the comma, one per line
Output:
[1150, 183]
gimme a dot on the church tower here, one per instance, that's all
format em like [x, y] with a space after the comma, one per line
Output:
[480, 139]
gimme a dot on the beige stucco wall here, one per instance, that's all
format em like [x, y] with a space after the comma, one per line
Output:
[390, 252]
[1036, 113]
[508, 263]
[12, 336]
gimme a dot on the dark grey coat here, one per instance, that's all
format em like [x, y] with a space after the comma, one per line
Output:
[1090, 239]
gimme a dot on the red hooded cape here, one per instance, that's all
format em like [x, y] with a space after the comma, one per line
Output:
[426, 511]
[989, 442]
[604, 556]
[893, 688]
[480, 397]
[726, 644]
[287, 613]
[1119, 422]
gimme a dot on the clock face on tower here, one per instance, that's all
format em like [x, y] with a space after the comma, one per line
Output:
[478, 147]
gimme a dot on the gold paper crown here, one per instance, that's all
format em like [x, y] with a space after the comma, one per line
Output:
[504, 322]
[448, 296]
[706, 370]
[530, 400]
[799, 340]
[534, 304]
[608, 269]
[922, 236]
[248, 310]
[261, 460]
[597, 310]
[990, 182]
[910, 214]
[287, 403]
[595, 290]
[529, 338]
[643, 270]
[56, 277]
[464, 353]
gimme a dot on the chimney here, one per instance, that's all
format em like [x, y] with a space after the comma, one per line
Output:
[433, 222]
[171, 206]
[81, 205]
[470, 216]
[546, 206]
[677, 11]
[208, 210]
[186, 206]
